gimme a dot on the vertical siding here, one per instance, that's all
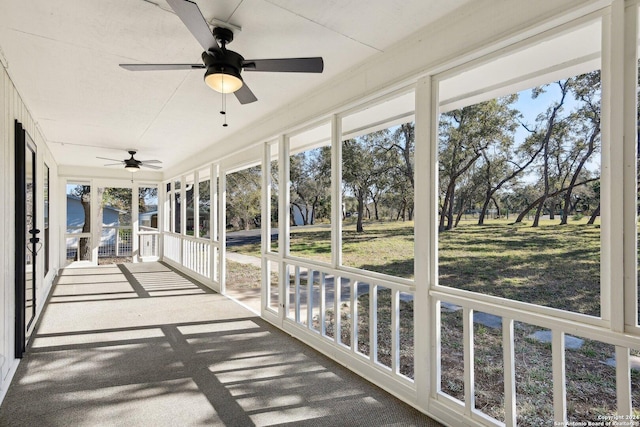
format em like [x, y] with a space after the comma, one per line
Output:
[13, 108]
[4, 217]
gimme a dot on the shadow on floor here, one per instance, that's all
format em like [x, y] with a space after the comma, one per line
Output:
[142, 345]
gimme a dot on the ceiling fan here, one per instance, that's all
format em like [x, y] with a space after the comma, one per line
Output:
[131, 164]
[223, 67]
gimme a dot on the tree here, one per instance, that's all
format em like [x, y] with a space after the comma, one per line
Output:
[83, 192]
[403, 182]
[550, 128]
[464, 134]
[497, 167]
[243, 198]
[586, 88]
[310, 176]
[364, 162]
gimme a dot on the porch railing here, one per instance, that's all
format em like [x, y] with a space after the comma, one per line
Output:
[148, 242]
[363, 319]
[115, 241]
[191, 253]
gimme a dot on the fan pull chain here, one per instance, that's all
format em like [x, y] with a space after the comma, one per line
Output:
[223, 111]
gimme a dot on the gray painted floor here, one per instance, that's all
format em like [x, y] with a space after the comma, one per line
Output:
[142, 345]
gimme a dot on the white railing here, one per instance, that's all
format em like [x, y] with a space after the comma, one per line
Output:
[516, 325]
[189, 252]
[368, 318]
[148, 239]
[116, 241]
[172, 247]
[196, 256]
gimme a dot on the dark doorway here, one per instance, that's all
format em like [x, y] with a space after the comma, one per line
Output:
[26, 236]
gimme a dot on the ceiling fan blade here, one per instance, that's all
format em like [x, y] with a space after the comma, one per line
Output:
[113, 160]
[190, 14]
[149, 166]
[114, 164]
[161, 67]
[286, 65]
[244, 95]
[151, 161]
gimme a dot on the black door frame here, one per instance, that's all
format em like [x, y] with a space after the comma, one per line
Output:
[21, 239]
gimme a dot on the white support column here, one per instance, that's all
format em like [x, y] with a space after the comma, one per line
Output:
[559, 378]
[508, 354]
[395, 331]
[623, 381]
[183, 206]
[336, 191]
[630, 166]
[469, 366]
[265, 228]
[135, 222]
[222, 232]
[373, 323]
[612, 206]
[426, 347]
[284, 196]
[161, 209]
[214, 209]
[353, 303]
[323, 301]
[213, 224]
[95, 230]
[172, 207]
[196, 204]
[337, 302]
[283, 218]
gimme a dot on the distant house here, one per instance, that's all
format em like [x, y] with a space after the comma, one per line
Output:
[75, 221]
[75, 215]
[148, 219]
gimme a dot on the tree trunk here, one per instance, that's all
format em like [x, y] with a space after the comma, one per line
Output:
[449, 225]
[84, 246]
[307, 214]
[459, 216]
[483, 211]
[313, 211]
[536, 218]
[594, 215]
[359, 227]
[376, 200]
[495, 202]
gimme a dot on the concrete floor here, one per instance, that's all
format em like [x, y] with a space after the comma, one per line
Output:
[142, 345]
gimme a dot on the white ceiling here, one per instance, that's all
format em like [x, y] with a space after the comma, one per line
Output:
[63, 57]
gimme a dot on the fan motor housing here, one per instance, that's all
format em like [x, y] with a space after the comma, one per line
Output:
[218, 61]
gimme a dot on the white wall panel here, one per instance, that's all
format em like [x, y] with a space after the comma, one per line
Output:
[13, 108]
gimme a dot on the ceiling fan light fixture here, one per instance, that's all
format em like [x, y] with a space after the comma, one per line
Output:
[223, 80]
[132, 168]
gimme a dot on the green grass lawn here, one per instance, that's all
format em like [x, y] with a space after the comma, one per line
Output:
[551, 265]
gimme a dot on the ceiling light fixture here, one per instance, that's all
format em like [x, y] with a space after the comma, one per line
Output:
[132, 168]
[223, 80]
